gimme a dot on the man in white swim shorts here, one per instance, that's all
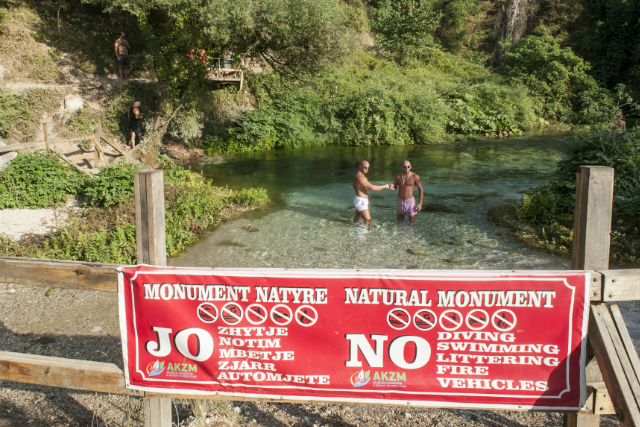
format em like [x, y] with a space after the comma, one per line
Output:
[406, 182]
[361, 184]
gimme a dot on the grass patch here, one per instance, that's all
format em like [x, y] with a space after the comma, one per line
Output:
[20, 112]
[38, 180]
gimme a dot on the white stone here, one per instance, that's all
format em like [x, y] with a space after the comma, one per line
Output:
[3, 72]
[73, 102]
[6, 158]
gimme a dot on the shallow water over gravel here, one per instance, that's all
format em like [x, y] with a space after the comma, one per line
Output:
[310, 224]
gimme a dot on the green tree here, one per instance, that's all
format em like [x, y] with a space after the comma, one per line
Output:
[406, 27]
[610, 40]
[292, 36]
[453, 31]
[559, 77]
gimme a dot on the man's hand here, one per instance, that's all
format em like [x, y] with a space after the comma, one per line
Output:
[419, 207]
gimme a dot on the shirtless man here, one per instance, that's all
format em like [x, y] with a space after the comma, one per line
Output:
[620, 124]
[361, 184]
[406, 181]
[122, 53]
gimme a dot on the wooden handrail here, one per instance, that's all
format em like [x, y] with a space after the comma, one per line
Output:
[67, 373]
[59, 274]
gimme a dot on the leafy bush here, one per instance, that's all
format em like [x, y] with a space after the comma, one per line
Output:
[470, 117]
[559, 78]
[112, 186]
[108, 234]
[187, 126]
[38, 180]
[406, 27]
[553, 205]
[373, 101]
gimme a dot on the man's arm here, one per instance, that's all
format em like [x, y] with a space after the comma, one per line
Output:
[420, 191]
[369, 186]
[115, 47]
[136, 112]
[394, 186]
[126, 43]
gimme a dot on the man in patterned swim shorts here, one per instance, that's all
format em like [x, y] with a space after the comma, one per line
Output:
[361, 184]
[406, 182]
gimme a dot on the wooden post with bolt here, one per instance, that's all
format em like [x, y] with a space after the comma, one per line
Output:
[591, 240]
[151, 248]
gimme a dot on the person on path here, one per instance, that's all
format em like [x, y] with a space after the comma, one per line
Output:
[361, 184]
[406, 181]
[134, 123]
[620, 124]
[122, 53]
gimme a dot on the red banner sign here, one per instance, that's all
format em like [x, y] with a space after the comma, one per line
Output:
[426, 338]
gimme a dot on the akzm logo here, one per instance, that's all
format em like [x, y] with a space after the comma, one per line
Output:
[360, 379]
[156, 368]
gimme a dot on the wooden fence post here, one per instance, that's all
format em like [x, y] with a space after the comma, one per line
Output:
[46, 137]
[591, 240]
[96, 153]
[592, 218]
[151, 248]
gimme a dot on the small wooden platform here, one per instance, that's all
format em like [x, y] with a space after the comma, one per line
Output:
[235, 77]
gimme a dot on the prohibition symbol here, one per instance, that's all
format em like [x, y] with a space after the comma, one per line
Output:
[306, 315]
[477, 319]
[281, 315]
[398, 318]
[450, 320]
[425, 319]
[231, 313]
[504, 320]
[256, 314]
[207, 312]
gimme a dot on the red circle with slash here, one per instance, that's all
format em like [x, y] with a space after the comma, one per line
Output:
[450, 320]
[398, 318]
[306, 315]
[256, 314]
[477, 319]
[207, 312]
[231, 313]
[504, 320]
[281, 315]
[425, 319]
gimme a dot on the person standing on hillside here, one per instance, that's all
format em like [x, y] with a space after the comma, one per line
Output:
[406, 182]
[122, 53]
[361, 184]
[134, 123]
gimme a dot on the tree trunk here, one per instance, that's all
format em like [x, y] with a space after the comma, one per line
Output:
[153, 139]
[511, 22]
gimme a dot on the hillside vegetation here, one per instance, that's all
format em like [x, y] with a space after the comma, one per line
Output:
[346, 72]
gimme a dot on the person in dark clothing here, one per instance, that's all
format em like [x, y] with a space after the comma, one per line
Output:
[134, 123]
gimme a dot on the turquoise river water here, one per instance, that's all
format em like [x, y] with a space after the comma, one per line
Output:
[310, 222]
